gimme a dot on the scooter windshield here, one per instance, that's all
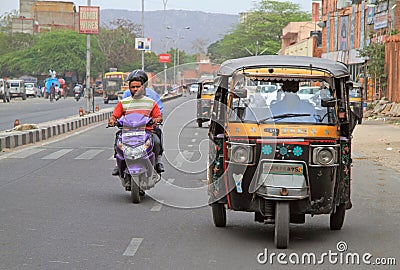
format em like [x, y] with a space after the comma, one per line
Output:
[134, 128]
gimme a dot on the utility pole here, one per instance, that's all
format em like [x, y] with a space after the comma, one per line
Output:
[88, 91]
[165, 46]
[143, 33]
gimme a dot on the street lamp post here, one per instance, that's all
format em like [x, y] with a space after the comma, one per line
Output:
[176, 53]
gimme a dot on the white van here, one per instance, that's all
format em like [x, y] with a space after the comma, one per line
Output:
[4, 91]
[17, 88]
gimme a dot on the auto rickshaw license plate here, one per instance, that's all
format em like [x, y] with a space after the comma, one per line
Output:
[283, 168]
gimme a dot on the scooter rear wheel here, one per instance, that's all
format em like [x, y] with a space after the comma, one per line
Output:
[135, 194]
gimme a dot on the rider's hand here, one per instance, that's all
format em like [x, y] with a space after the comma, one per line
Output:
[156, 121]
[112, 120]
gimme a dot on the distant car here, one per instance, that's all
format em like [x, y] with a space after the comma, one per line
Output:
[320, 94]
[306, 92]
[193, 88]
[31, 89]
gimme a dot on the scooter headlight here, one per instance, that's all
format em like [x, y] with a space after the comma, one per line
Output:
[324, 155]
[134, 152]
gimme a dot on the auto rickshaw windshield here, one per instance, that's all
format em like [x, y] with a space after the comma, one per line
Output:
[285, 103]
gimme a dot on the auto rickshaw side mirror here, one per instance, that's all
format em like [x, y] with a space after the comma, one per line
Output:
[240, 93]
[328, 102]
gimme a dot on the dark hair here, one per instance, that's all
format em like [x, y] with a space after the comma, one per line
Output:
[137, 75]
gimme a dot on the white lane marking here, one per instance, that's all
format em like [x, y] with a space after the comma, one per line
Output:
[182, 158]
[89, 154]
[133, 247]
[26, 153]
[157, 206]
[171, 180]
[196, 133]
[58, 154]
[59, 262]
[112, 157]
[193, 140]
[187, 155]
[190, 145]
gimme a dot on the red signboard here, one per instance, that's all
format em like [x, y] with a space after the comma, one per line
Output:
[89, 20]
[164, 58]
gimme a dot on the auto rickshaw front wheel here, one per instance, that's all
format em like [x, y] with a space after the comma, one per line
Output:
[219, 214]
[282, 220]
[337, 218]
[200, 123]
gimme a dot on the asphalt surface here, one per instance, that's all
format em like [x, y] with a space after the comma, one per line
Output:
[60, 208]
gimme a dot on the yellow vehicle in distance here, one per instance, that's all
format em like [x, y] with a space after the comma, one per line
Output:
[114, 85]
[356, 101]
[205, 97]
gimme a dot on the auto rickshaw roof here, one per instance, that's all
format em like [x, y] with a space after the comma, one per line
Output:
[331, 67]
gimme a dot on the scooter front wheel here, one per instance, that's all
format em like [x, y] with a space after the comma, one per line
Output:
[135, 194]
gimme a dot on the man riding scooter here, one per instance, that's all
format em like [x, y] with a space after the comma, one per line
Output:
[139, 103]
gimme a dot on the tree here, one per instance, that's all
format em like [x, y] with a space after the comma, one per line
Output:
[375, 53]
[117, 44]
[260, 31]
[6, 19]
[61, 51]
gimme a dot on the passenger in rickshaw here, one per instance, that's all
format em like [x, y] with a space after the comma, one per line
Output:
[292, 104]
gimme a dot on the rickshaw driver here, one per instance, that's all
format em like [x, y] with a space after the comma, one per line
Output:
[291, 103]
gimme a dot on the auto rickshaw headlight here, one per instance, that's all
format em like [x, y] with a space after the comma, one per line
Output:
[324, 155]
[242, 154]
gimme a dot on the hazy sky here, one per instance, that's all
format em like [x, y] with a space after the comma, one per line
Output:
[216, 6]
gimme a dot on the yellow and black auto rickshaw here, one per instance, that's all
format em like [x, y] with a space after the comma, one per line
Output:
[281, 157]
[356, 101]
[205, 96]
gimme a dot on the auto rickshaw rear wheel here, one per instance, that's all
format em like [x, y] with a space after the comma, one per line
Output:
[337, 218]
[282, 220]
[219, 214]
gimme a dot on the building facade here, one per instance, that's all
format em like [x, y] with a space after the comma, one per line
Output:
[351, 25]
[43, 16]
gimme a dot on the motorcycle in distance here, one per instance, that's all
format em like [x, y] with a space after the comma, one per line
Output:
[134, 155]
[77, 96]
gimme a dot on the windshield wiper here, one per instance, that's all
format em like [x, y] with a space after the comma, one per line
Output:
[286, 115]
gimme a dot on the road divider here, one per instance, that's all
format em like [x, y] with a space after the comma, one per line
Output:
[32, 133]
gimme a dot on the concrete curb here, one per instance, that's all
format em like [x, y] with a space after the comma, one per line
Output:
[11, 139]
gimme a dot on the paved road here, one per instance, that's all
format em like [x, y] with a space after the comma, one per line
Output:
[60, 208]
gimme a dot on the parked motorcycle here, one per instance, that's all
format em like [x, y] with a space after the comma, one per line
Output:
[134, 155]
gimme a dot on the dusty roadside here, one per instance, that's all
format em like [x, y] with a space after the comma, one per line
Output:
[379, 141]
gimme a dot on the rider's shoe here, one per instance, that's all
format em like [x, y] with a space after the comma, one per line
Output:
[115, 171]
[159, 167]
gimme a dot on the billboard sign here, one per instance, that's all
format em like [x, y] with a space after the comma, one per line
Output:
[89, 20]
[143, 44]
[164, 58]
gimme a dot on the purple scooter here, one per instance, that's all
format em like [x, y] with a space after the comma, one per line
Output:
[135, 158]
